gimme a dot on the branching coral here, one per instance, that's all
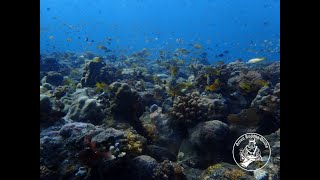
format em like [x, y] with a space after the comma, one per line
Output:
[186, 111]
[190, 109]
[210, 170]
[134, 145]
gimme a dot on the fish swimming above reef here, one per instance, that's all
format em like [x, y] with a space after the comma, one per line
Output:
[255, 60]
[197, 46]
[105, 49]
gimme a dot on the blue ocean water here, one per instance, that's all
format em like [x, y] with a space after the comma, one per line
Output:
[225, 29]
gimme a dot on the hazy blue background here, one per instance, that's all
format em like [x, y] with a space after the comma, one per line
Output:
[246, 28]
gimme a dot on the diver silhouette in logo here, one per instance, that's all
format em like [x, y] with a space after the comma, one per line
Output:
[250, 153]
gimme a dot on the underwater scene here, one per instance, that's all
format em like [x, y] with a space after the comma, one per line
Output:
[159, 89]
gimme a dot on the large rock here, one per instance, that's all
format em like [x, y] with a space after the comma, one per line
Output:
[49, 63]
[45, 104]
[75, 128]
[143, 167]
[85, 109]
[209, 134]
[97, 71]
[108, 135]
[169, 170]
[207, 143]
[53, 78]
[68, 99]
[51, 149]
[127, 103]
[263, 117]
[160, 153]
[267, 102]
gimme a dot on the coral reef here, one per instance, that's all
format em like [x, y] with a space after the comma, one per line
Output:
[167, 119]
[95, 71]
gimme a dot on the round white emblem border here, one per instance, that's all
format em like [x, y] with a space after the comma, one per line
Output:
[235, 158]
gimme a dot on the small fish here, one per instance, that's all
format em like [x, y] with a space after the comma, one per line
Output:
[219, 62]
[177, 89]
[51, 37]
[184, 51]
[102, 47]
[174, 70]
[48, 9]
[214, 86]
[118, 72]
[69, 39]
[261, 82]
[86, 39]
[255, 60]
[212, 71]
[245, 86]
[102, 86]
[197, 46]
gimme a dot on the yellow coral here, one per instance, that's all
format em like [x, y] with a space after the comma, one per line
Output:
[261, 82]
[210, 170]
[234, 174]
[97, 59]
[134, 145]
[245, 86]
[213, 167]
